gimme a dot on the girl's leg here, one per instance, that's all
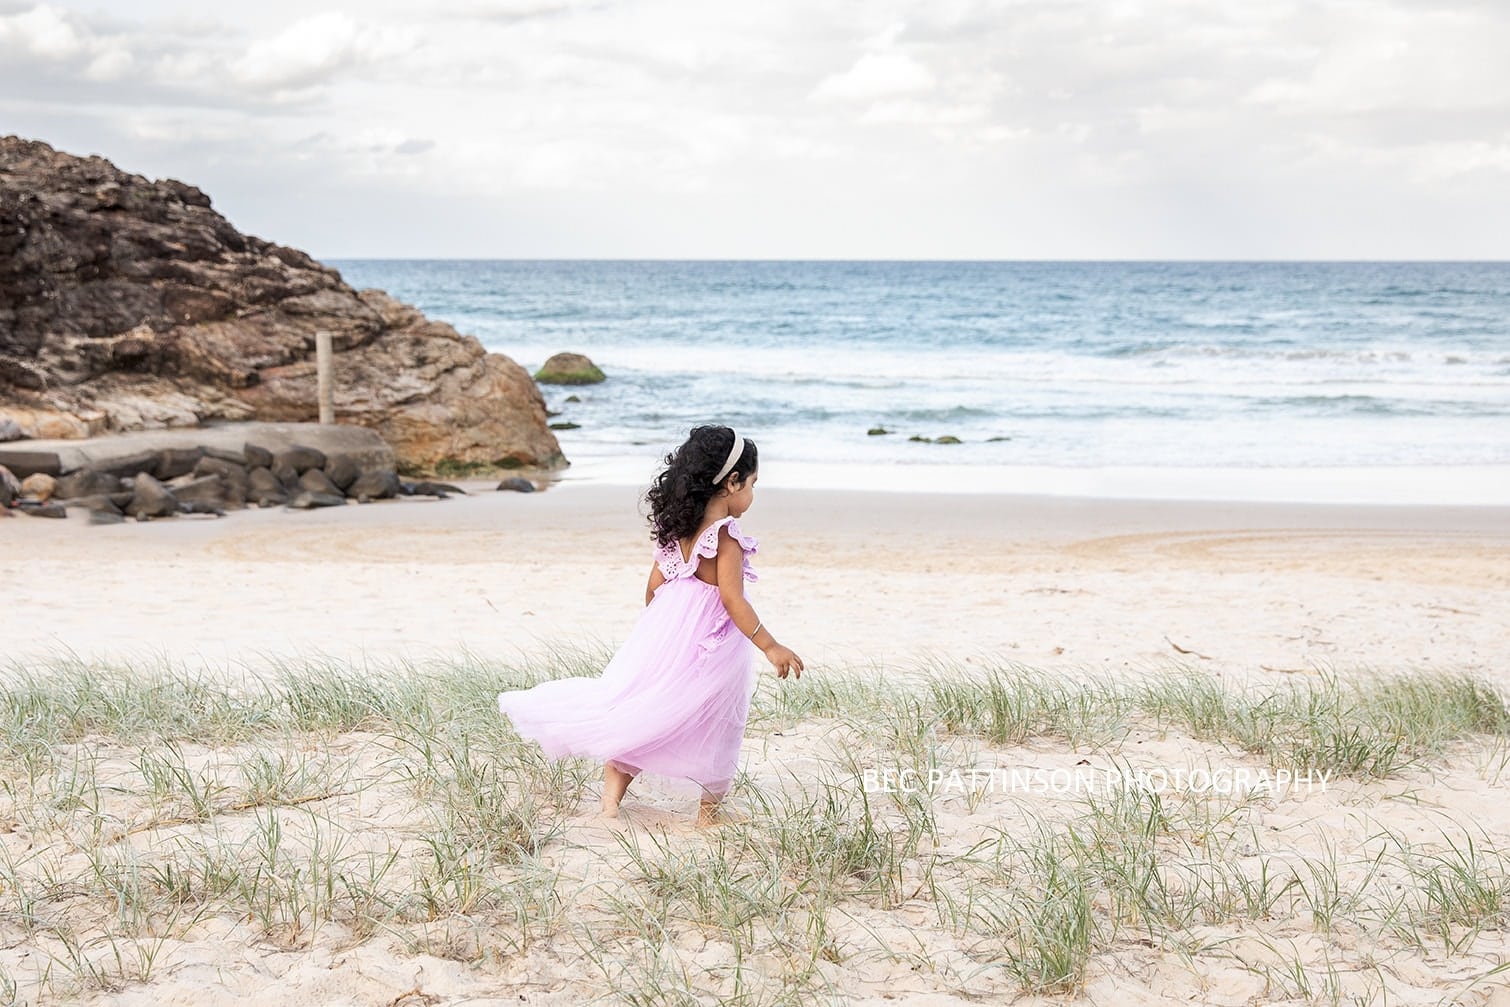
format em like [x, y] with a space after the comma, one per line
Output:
[707, 811]
[711, 809]
[615, 782]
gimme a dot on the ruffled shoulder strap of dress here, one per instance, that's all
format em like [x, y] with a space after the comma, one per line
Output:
[746, 542]
[707, 542]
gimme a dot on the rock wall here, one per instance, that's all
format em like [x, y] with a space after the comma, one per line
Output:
[129, 304]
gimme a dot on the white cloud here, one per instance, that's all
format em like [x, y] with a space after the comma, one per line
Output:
[311, 50]
[110, 63]
[1398, 59]
[769, 119]
[875, 75]
[918, 113]
[44, 31]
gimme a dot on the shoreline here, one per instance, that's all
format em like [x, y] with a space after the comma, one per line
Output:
[1373, 485]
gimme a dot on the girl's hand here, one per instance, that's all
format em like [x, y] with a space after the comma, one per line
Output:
[784, 660]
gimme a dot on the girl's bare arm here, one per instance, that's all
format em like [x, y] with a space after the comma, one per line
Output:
[656, 580]
[731, 590]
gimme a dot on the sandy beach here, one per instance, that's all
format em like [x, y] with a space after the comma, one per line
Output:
[360, 835]
[1063, 583]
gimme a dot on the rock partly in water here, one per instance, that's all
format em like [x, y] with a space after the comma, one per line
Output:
[565, 426]
[129, 304]
[947, 439]
[877, 431]
[517, 484]
[569, 369]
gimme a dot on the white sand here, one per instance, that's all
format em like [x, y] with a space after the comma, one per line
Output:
[1061, 583]
[847, 578]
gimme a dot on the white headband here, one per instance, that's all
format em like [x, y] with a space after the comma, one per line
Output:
[734, 453]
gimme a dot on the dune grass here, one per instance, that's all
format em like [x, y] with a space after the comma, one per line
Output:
[152, 813]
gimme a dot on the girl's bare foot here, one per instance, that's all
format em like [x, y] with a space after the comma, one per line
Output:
[615, 782]
[712, 813]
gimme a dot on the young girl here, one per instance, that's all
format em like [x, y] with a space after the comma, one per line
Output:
[674, 698]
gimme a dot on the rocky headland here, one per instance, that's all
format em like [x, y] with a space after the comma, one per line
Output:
[130, 304]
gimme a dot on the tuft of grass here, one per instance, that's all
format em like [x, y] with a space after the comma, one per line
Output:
[155, 798]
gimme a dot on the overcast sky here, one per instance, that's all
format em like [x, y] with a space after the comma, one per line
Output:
[797, 128]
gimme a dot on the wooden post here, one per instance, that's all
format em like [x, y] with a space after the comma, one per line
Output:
[322, 364]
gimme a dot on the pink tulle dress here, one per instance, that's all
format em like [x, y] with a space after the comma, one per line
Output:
[673, 700]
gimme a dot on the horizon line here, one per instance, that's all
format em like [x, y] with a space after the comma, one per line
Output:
[1004, 261]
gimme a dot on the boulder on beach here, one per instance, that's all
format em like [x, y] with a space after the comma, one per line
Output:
[311, 464]
[310, 499]
[175, 462]
[316, 481]
[39, 486]
[85, 482]
[52, 509]
[234, 479]
[430, 489]
[130, 304]
[264, 489]
[342, 471]
[208, 490]
[375, 486]
[569, 369]
[150, 499]
[301, 458]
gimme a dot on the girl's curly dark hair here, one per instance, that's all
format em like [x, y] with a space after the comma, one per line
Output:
[680, 493]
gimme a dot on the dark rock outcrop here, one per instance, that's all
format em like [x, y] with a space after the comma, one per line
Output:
[129, 304]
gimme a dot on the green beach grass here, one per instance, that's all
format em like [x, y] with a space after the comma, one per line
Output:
[154, 817]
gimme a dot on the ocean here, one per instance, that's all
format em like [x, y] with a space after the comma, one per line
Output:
[1340, 381]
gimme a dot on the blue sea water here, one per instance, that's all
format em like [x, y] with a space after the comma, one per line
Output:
[1032, 365]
